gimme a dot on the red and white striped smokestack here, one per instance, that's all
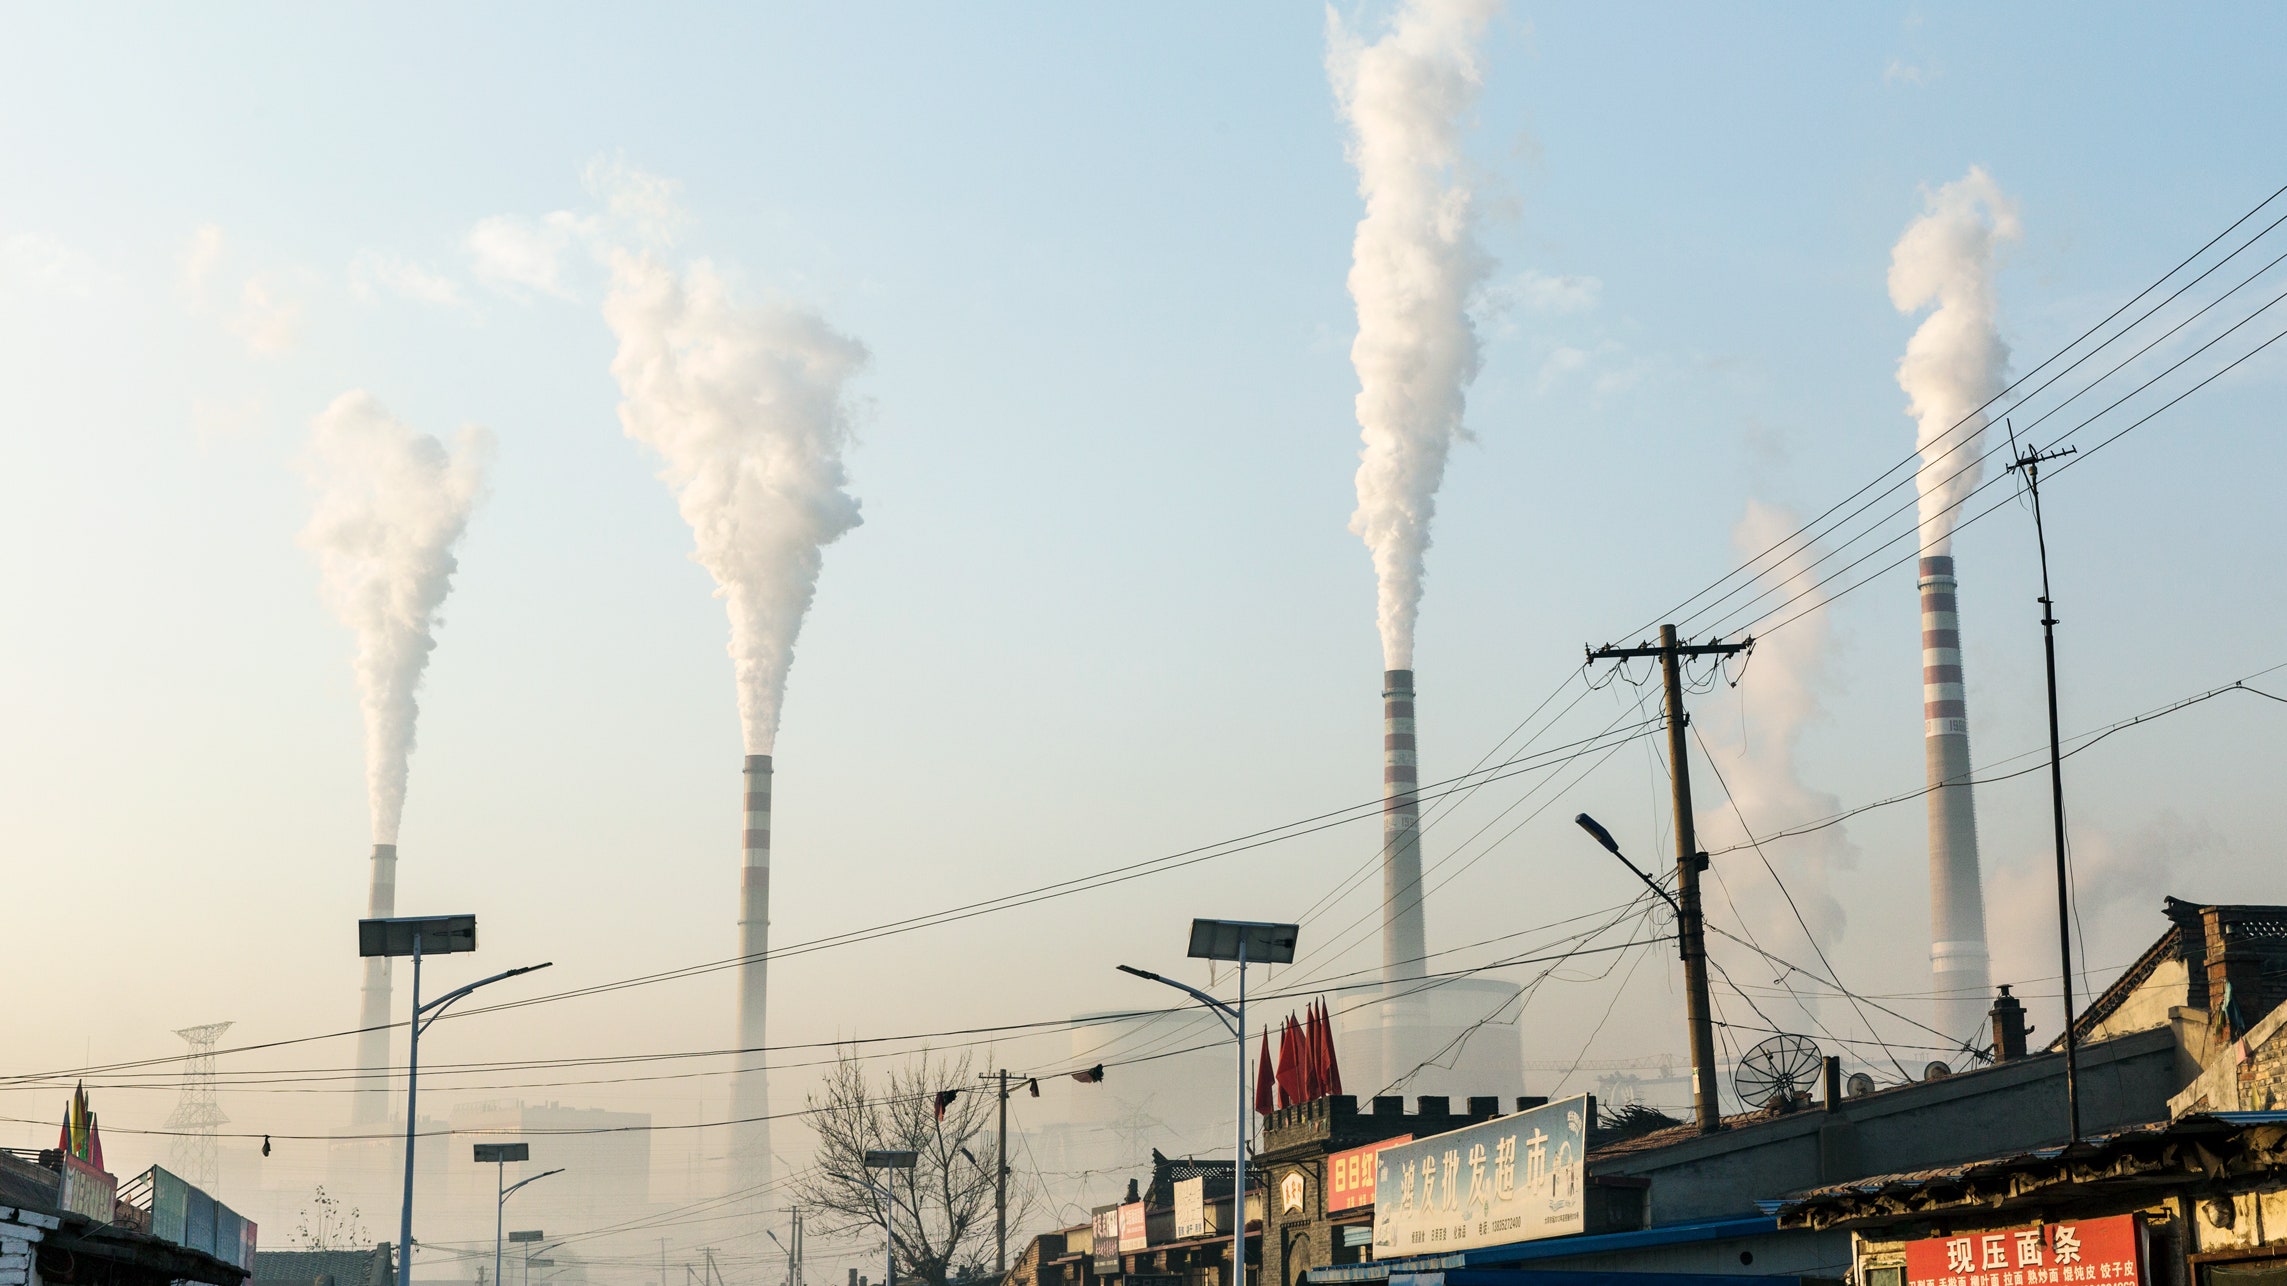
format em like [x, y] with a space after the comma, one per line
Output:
[750, 1094]
[1958, 962]
[371, 1104]
[1402, 933]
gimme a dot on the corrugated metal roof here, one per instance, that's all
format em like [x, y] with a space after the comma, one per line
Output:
[2202, 1125]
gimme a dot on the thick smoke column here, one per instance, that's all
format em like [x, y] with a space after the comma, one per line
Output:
[1414, 265]
[1763, 768]
[1955, 363]
[391, 505]
[746, 409]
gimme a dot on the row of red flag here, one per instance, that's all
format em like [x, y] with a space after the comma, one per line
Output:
[1307, 1068]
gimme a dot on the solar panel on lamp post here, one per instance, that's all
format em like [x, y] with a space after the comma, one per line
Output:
[888, 1159]
[415, 936]
[1242, 941]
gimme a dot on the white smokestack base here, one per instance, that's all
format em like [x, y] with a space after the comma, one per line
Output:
[1958, 962]
[371, 1105]
[750, 1092]
[1403, 936]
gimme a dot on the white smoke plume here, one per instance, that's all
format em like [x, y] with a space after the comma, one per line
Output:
[1956, 361]
[391, 505]
[1761, 764]
[1415, 265]
[747, 408]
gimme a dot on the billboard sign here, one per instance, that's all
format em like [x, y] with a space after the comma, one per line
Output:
[1514, 1178]
[86, 1189]
[1350, 1175]
[1104, 1231]
[1191, 1207]
[1134, 1235]
[2099, 1251]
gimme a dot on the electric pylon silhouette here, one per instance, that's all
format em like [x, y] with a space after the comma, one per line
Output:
[197, 1114]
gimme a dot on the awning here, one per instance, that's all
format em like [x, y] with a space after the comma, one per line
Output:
[1463, 1268]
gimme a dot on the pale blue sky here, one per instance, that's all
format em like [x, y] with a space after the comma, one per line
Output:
[1103, 605]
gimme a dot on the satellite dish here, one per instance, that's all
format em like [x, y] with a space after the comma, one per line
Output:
[1777, 1072]
[1936, 1071]
[1861, 1085]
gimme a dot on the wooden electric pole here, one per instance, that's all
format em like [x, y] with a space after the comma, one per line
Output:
[1691, 933]
[2030, 464]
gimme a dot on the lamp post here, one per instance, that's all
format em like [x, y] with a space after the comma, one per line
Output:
[529, 1238]
[500, 1154]
[1242, 941]
[414, 935]
[887, 1159]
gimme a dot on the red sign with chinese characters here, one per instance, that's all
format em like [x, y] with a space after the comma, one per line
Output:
[1350, 1175]
[2099, 1251]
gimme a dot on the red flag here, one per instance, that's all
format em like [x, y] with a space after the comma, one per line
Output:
[1320, 1084]
[945, 1100]
[1313, 1067]
[1333, 1064]
[1263, 1077]
[94, 1143]
[1290, 1064]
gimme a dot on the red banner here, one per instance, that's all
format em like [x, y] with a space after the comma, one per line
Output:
[1350, 1175]
[2100, 1251]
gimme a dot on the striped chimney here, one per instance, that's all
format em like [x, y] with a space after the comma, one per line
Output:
[750, 1096]
[1958, 965]
[370, 1106]
[1402, 933]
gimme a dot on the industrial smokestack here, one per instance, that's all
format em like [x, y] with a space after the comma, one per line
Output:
[1958, 964]
[371, 1106]
[1953, 369]
[1402, 935]
[750, 1092]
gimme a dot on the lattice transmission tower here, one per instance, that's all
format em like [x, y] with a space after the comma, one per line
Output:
[196, 1114]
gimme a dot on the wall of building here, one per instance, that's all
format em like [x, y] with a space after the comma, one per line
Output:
[1990, 1111]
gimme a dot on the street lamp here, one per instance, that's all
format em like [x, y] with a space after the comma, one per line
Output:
[414, 935]
[529, 1238]
[1242, 941]
[886, 1159]
[500, 1154]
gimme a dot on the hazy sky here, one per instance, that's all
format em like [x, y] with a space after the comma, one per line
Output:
[1103, 605]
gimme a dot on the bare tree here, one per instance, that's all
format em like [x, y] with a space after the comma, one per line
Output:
[939, 1215]
[325, 1225]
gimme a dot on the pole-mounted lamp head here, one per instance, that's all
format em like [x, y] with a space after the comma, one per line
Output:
[1597, 832]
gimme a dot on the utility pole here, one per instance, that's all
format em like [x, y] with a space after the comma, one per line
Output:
[1691, 933]
[2030, 464]
[1001, 1175]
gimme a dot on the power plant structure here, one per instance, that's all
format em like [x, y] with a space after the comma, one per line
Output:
[1403, 937]
[1421, 1035]
[1959, 967]
[370, 1106]
[750, 1091]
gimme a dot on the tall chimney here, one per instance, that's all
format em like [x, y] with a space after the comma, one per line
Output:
[1957, 903]
[371, 1103]
[750, 1096]
[1402, 933]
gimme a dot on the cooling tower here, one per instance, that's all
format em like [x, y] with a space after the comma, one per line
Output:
[1402, 934]
[371, 1105]
[750, 1097]
[1957, 903]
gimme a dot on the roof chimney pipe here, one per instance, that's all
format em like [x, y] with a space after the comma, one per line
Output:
[2008, 1027]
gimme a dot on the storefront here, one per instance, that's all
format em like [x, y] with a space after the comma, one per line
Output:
[2200, 1201]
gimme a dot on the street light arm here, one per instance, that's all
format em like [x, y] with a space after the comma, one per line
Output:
[1604, 837]
[435, 1008]
[510, 1190]
[1229, 1015]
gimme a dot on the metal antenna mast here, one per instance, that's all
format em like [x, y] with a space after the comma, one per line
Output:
[196, 1114]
